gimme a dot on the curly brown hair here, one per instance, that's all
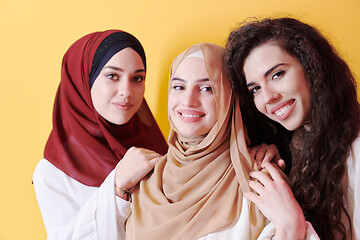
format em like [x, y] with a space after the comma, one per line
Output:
[324, 142]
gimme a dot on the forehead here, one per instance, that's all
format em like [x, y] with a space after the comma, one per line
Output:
[126, 56]
[191, 68]
[264, 57]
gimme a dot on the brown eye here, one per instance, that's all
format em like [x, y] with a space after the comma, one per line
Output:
[112, 76]
[138, 79]
[178, 87]
[278, 75]
[206, 89]
[254, 90]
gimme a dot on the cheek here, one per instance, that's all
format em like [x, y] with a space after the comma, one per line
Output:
[172, 104]
[214, 109]
[306, 100]
[302, 89]
[139, 92]
[96, 97]
[171, 100]
[104, 92]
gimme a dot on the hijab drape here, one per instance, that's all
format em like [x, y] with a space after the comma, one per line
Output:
[197, 188]
[82, 143]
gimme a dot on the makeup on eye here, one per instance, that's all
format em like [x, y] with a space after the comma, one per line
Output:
[253, 90]
[278, 74]
[202, 84]
[114, 73]
[274, 75]
[139, 78]
[112, 76]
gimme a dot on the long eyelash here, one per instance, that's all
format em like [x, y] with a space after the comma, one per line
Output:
[139, 77]
[278, 73]
[111, 76]
[251, 90]
[177, 87]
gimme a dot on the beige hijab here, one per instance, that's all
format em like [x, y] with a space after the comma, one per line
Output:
[197, 187]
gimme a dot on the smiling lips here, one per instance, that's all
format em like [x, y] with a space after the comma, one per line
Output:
[189, 116]
[283, 110]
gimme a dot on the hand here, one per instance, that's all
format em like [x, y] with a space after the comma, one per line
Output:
[135, 165]
[266, 153]
[276, 201]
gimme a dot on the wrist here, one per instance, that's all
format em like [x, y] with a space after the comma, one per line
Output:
[122, 193]
[297, 231]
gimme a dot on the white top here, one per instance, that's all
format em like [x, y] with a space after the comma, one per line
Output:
[71, 210]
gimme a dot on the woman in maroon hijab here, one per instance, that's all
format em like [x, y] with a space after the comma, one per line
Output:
[99, 113]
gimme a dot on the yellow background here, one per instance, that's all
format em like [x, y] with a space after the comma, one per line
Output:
[36, 33]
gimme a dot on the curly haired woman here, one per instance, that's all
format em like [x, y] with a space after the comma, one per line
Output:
[291, 74]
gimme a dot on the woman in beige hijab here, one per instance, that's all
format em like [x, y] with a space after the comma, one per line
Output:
[196, 190]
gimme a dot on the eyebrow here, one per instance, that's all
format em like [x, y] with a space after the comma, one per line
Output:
[122, 70]
[266, 73]
[183, 80]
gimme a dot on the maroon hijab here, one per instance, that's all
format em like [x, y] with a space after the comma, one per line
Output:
[82, 143]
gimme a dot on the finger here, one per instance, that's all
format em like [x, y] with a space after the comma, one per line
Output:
[261, 152]
[253, 197]
[155, 160]
[261, 177]
[256, 186]
[269, 156]
[156, 155]
[273, 171]
[281, 164]
[253, 151]
[151, 154]
[274, 149]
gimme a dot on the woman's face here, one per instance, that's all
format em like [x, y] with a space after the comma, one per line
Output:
[118, 91]
[278, 84]
[192, 106]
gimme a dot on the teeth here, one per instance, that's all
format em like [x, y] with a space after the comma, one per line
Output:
[190, 116]
[282, 110]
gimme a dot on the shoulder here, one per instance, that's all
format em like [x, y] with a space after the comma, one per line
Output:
[51, 182]
[44, 170]
[355, 148]
[354, 155]
[47, 175]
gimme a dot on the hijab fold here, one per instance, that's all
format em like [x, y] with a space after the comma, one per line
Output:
[197, 188]
[82, 143]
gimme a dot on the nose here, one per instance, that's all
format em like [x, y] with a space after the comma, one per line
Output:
[190, 98]
[269, 94]
[125, 88]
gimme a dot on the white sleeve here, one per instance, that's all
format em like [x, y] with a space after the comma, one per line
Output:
[269, 232]
[354, 187]
[104, 215]
[71, 210]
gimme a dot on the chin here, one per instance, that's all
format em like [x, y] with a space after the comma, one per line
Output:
[291, 126]
[119, 121]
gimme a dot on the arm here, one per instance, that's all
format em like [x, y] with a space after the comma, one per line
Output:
[353, 168]
[103, 216]
[72, 210]
[135, 165]
[92, 222]
[69, 208]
